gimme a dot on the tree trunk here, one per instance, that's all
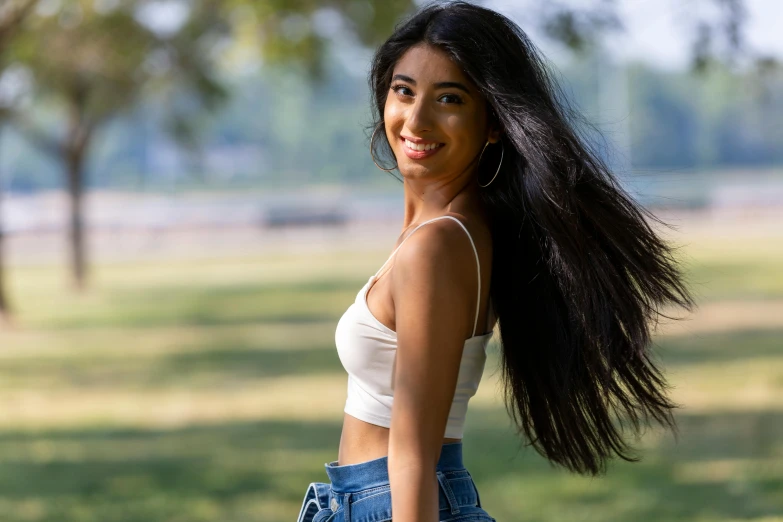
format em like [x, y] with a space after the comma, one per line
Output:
[74, 166]
[73, 153]
[5, 307]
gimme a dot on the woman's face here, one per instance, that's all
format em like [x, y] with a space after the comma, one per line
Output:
[432, 102]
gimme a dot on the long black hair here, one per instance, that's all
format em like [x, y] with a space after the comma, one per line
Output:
[579, 275]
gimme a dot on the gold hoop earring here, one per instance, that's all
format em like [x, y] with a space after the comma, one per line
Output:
[373, 155]
[502, 152]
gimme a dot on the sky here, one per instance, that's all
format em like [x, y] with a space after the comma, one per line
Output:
[657, 31]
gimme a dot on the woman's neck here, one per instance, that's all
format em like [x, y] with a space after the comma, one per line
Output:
[424, 201]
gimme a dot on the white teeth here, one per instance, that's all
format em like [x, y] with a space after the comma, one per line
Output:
[419, 146]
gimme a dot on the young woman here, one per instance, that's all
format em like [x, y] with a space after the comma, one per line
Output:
[510, 218]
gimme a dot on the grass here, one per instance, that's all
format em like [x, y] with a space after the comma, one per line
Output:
[211, 391]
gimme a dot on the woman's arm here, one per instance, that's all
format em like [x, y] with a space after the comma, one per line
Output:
[434, 290]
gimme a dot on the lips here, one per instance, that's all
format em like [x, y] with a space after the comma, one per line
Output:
[419, 154]
[417, 140]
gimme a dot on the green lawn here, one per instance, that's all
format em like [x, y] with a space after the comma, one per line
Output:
[211, 391]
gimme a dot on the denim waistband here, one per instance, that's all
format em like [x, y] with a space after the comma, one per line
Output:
[375, 473]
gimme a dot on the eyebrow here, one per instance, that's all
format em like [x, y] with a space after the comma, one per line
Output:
[439, 85]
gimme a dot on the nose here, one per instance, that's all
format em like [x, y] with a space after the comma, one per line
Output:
[419, 117]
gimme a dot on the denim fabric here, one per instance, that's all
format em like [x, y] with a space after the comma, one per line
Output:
[361, 492]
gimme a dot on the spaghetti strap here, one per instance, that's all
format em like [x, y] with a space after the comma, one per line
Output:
[478, 263]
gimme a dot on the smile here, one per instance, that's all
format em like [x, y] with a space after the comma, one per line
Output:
[420, 150]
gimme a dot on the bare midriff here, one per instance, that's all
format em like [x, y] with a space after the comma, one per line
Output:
[361, 441]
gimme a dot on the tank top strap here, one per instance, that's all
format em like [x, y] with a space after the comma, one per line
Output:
[475, 252]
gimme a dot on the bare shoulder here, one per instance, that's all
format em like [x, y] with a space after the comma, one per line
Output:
[435, 244]
[438, 257]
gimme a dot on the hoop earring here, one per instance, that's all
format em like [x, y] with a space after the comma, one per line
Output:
[373, 155]
[502, 152]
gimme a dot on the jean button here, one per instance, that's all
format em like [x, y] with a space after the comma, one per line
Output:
[334, 505]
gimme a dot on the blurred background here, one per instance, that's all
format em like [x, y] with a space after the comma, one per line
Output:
[188, 205]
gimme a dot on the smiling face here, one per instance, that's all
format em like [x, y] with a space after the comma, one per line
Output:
[433, 105]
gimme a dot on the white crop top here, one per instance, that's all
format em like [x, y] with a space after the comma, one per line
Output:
[367, 350]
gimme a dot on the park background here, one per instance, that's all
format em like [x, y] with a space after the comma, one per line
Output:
[189, 204]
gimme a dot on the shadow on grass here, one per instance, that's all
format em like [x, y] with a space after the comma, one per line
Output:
[758, 279]
[195, 473]
[720, 346]
[262, 470]
[723, 466]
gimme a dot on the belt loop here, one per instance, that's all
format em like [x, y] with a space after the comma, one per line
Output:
[473, 483]
[316, 499]
[347, 507]
[444, 484]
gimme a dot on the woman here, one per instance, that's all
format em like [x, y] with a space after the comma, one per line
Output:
[510, 217]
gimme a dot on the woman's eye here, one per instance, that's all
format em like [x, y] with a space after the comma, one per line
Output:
[398, 88]
[456, 99]
[452, 97]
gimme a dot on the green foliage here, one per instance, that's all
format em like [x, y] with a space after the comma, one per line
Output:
[97, 60]
[312, 131]
[98, 63]
[716, 118]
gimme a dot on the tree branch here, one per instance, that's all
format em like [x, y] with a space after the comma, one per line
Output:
[11, 18]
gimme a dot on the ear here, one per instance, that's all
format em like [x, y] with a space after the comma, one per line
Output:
[493, 124]
[494, 135]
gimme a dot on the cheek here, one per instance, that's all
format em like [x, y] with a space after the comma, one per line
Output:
[391, 118]
[393, 114]
[464, 130]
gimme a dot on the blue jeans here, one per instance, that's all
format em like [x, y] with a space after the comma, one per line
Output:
[361, 492]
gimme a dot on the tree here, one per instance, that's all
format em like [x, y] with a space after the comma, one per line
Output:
[12, 14]
[96, 64]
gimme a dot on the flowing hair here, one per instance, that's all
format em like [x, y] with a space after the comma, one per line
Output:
[578, 275]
